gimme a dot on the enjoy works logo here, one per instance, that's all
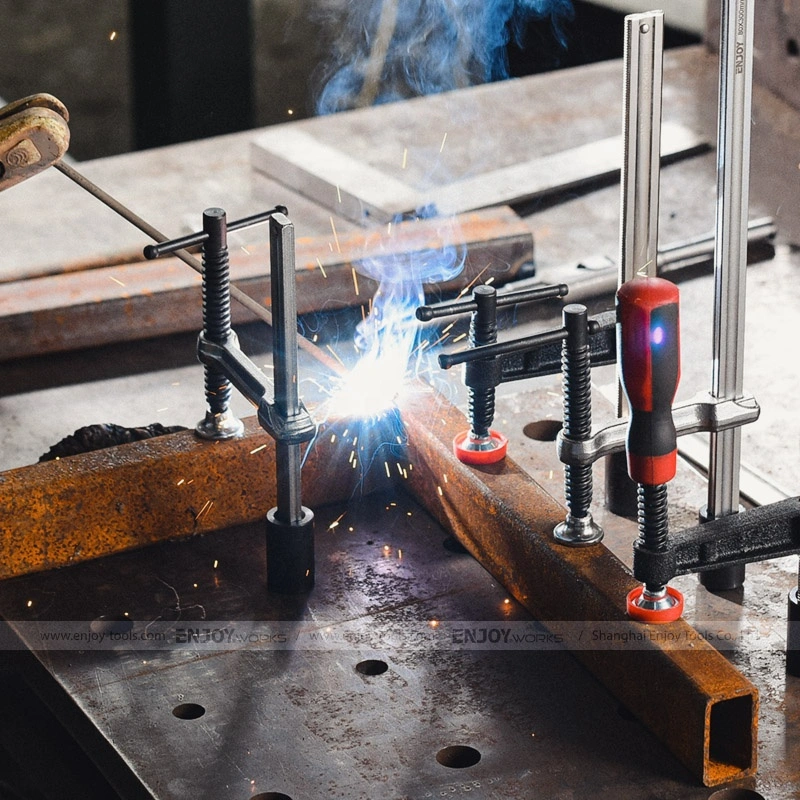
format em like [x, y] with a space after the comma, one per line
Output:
[504, 636]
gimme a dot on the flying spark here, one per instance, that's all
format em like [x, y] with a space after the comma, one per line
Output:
[335, 236]
[444, 139]
[111, 277]
[321, 268]
[257, 449]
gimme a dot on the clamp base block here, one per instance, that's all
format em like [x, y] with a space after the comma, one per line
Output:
[290, 554]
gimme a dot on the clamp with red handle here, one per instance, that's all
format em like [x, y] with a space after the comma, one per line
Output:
[649, 357]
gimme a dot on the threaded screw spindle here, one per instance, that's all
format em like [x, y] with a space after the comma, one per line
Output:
[480, 375]
[577, 388]
[576, 373]
[653, 509]
[216, 303]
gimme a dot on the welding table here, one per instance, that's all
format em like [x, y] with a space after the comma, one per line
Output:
[308, 723]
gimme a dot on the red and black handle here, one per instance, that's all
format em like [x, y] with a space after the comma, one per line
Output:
[649, 357]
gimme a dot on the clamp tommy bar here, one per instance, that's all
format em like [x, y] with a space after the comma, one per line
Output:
[290, 525]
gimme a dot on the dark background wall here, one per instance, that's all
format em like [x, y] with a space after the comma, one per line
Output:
[83, 52]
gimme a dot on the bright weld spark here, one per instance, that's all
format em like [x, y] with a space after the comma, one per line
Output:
[333, 353]
[388, 471]
[389, 229]
[244, 249]
[439, 489]
[321, 268]
[459, 337]
[333, 438]
[338, 193]
[445, 478]
[112, 36]
[159, 410]
[472, 282]
[355, 464]
[399, 469]
[405, 157]
[405, 474]
[399, 554]
[448, 328]
[216, 563]
[335, 236]
[335, 523]
[290, 111]
[30, 603]
[352, 456]
[444, 139]
[181, 482]
[355, 279]
[204, 510]
[363, 313]
[434, 623]
[111, 277]
[441, 339]
[257, 449]
[489, 280]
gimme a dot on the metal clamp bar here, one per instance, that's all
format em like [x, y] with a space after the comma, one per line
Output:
[705, 413]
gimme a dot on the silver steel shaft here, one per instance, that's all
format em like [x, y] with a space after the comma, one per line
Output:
[284, 360]
[641, 131]
[730, 257]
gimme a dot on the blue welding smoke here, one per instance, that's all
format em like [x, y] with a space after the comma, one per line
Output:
[389, 50]
[393, 49]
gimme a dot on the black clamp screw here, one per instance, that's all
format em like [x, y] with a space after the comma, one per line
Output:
[482, 374]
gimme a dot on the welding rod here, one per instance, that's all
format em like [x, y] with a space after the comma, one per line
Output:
[155, 234]
[237, 294]
[730, 255]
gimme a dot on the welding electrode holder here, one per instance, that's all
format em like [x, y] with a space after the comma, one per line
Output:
[481, 444]
[290, 525]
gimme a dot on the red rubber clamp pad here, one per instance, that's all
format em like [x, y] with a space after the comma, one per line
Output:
[649, 615]
[467, 456]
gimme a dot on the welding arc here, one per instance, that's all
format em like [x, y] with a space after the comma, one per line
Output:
[244, 299]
